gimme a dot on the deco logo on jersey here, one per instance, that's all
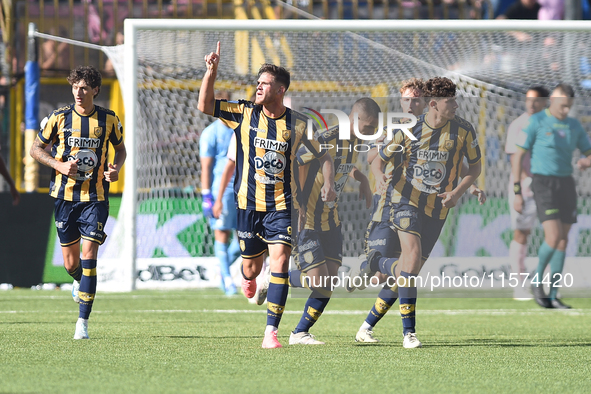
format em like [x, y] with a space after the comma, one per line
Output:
[86, 160]
[272, 163]
[431, 173]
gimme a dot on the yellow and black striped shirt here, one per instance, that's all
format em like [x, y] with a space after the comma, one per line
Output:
[428, 166]
[320, 215]
[84, 138]
[264, 152]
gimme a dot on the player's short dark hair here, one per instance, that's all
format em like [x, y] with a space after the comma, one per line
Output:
[413, 84]
[88, 74]
[368, 106]
[540, 90]
[440, 87]
[566, 89]
[280, 74]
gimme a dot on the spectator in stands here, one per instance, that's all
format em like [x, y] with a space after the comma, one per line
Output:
[551, 10]
[522, 9]
[55, 55]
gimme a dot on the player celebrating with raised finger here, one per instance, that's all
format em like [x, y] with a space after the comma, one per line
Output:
[267, 133]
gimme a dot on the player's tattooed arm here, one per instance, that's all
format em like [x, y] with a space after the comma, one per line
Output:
[38, 152]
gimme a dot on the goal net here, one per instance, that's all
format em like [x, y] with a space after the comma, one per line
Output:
[331, 63]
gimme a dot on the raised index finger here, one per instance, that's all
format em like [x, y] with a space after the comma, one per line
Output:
[217, 51]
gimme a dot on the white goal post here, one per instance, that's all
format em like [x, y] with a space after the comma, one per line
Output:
[161, 65]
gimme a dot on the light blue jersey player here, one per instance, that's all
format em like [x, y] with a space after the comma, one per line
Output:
[213, 150]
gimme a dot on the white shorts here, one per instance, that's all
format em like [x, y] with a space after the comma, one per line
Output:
[527, 218]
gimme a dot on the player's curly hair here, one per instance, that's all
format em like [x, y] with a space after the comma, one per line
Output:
[280, 73]
[88, 74]
[413, 84]
[440, 87]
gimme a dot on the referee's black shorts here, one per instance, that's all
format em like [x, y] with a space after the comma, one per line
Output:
[556, 198]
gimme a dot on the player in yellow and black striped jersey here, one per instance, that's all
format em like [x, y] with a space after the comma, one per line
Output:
[264, 148]
[84, 139]
[320, 242]
[79, 135]
[267, 133]
[424, 185]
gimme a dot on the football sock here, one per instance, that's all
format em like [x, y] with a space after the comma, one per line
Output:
[386, 298]
[221, 252]
[76, 273]
[313, 309]
[387, 265]
[408, 298]
[545, 255]
[556, 266]
[87, 287]
[374, 267]
[276, 297]
[298, 278]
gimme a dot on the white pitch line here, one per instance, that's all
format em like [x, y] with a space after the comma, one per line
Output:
[448, 312]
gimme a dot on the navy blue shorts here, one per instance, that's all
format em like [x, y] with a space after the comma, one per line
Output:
[76, 219]
[317, 247]
[413, 220]
[383, 237]
[258, 229]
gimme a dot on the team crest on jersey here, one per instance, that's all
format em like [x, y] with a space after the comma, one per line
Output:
[98, 131]
[242, 245]
[286, 134]
[404, 223]
[308, 257]
[449, 144]
[561, 133]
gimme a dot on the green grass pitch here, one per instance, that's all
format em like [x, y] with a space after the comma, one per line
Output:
[201, 341]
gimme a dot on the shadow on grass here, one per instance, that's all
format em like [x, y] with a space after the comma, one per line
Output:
[484, 343]
[37, 322]
[509, 343]
[207, 336]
